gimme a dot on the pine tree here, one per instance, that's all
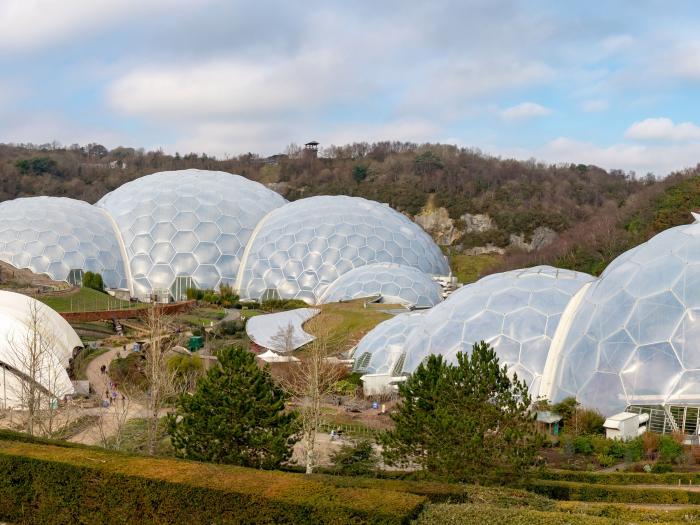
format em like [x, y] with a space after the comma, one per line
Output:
[236, 415]
[465, 422]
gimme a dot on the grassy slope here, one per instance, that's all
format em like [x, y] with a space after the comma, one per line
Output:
[346, 323]
[468, 268]
[86, 299]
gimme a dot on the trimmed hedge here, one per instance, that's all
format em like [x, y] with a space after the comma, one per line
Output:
[50, 484]
[622, 478]
[572, 491]
[467, 514]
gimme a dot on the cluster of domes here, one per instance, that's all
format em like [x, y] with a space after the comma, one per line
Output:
[630, 337]
[193, 228]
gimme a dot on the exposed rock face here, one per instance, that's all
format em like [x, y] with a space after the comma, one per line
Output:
[482, 250]
[541, 237]
[439, 225]
[477, 223]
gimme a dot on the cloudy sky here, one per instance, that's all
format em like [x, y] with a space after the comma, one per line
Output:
[611, 83]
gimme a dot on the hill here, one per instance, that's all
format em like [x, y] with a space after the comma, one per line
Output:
[522, 212]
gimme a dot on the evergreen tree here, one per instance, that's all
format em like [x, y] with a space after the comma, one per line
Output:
[236, 415]
[467, 421]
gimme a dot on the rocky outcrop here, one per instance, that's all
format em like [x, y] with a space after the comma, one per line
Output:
[477, 223]
[439, 225]
[541, 237]
[484, 250]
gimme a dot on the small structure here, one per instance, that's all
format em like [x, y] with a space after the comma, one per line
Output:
[311, 149]
[625, 426]
[549, 421]
[381, 384]
[195, 343]
[271, 357]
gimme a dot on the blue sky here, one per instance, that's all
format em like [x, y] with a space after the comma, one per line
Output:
[611, 83]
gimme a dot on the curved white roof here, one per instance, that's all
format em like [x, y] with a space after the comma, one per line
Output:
[193, 223]
[19, 314]
[517, 312]
[382, 349]
[395, 284]
[633, 335]
[301, 248]
[54, 235]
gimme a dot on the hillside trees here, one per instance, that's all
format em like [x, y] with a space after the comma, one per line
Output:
[236, 415]
[463, 422]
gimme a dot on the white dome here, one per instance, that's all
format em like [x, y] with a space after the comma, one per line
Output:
[382, 350]
[302, 247]
[54, 235]
[24, 322]
[516, 312]
[395, 284]
[633, 335]
[189, 223]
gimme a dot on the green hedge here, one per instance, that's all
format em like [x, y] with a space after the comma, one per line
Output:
[50, 484]
[468, 514]
[622, 478]
[572, 491]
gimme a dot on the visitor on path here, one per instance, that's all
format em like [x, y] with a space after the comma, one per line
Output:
[103, 369]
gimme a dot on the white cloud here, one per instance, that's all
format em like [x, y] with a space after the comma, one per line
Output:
[595, 105]
[31, 24]
[221, 88]
[659, 159]
[663, 129]
[685, 61]
[525, 110]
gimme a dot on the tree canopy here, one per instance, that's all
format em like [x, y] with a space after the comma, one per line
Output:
[236, 415]
[463, 422]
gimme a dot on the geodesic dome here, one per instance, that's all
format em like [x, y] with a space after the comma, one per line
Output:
[632, 336]
[382, 349]
[54, 235]
[516, 312]
[298, 250]
[394, 284]
[190, 223]
[35, 342]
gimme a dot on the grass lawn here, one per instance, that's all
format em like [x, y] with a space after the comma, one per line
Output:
[346, 323]
[87, 300]
[468, 268]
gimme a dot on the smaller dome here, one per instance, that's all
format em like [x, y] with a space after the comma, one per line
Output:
[382, 350]
[54, 235]
[22, 321]
[394, 283]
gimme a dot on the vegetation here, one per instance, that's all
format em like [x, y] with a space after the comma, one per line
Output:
[94, 281]
[355, 459]
[467, 421]
[86, 300]
[50, 484]
[236, 415]
[469, 268]
[225, 297]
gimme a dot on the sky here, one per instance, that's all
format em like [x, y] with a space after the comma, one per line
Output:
[612, 83]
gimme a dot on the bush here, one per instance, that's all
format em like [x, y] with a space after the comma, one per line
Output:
[670, 450]
[583, 445]
[573, 491]
[231, 327]
[48, 484]
[355, 459]
[270, 305]
[661, 468]
[94, 281]
[605, 460]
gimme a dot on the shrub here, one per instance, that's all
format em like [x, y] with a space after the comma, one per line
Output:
[93, 280]
[605, 460]
[56, 485]
[573, 491]
[583, 445]
[355, 459]
[670, 451]
[231, 327]
[660, 468]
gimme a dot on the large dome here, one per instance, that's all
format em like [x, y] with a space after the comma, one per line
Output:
[382, 350]
[27, 323]
[632, 336]
[190, 223]
[393, 283]
[54, 235]
[517, 312]
[302, 247]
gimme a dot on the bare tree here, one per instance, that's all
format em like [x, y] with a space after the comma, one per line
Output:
[34, 371]
[311, 380]
[283, 340]
[112, 420]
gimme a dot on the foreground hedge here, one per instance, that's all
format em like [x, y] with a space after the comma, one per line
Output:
[572, 491]
[622, 478]
[51, 484]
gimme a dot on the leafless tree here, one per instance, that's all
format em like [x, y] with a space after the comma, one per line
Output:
[35, 371]
[113, 417]
[309, 381]
[283, 340]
